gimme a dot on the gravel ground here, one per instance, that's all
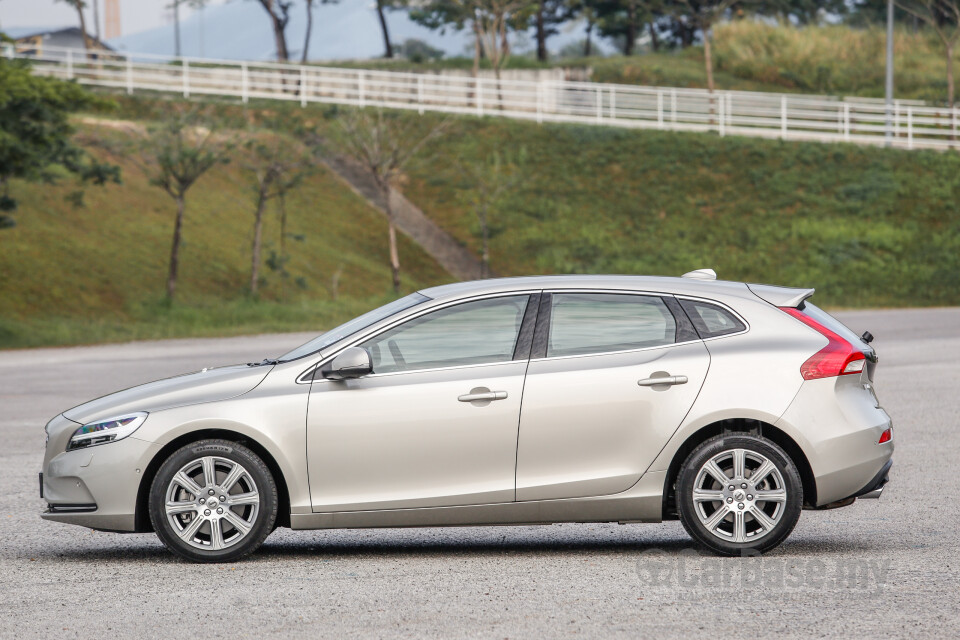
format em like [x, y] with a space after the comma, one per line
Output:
[878, 568]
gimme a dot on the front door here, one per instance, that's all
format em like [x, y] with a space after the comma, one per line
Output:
[436, 422]
[594, 416]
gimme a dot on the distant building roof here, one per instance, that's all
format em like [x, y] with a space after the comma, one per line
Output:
[24, 33]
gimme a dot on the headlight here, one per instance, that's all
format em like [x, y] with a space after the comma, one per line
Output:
[106, 431]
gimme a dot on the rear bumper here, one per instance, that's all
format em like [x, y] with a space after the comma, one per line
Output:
[874, 488]
[838, 425]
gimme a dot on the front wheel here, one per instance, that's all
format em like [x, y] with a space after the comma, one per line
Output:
[738, 494]
[213, 501]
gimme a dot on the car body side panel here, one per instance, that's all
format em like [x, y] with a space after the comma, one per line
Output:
[588, 429]
[841, 424]
[753, 375]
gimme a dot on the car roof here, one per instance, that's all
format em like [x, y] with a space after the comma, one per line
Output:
[653, 284]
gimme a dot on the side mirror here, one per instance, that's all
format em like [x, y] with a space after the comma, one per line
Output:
[351, 363]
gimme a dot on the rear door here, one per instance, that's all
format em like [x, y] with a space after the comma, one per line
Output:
[594, 415]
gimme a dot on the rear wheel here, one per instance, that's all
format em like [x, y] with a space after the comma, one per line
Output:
[213, 501]
[738, 494]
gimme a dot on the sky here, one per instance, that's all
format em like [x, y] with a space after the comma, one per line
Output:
[135, 15]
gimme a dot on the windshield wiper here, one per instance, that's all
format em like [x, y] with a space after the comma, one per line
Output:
[265, 361]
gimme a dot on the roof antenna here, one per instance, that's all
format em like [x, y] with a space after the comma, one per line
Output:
[701, 274]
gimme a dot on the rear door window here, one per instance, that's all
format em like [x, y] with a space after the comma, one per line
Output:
[584, 323]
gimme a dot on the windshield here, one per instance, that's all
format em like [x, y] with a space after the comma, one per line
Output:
[357, 324]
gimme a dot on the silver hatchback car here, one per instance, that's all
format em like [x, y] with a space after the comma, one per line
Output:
[730, 406]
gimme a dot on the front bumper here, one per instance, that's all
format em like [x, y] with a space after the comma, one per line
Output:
[96, 487]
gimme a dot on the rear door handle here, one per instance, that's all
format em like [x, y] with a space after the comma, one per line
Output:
[486, 395]
[652, 382]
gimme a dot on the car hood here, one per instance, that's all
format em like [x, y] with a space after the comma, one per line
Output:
[209, 385]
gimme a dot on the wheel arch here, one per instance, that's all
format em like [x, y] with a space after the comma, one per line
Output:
[737, 425]
[142, 514]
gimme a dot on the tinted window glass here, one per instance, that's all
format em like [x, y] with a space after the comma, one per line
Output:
[602, 322]
[711, 320]
[471, 333]
[353, 326]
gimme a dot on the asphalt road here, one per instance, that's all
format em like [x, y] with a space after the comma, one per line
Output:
[876, 569]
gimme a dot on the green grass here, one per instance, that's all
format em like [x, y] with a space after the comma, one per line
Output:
[866, 226]
[97, 272]
[756, 56]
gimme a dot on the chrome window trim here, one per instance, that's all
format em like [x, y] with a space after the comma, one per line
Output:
[306, 377]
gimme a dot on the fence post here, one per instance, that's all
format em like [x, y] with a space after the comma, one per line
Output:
[420, 94]
[70, 64]
[479, 97]
[729, 110]
[129, 76]
[673, 105]
[599, 104]
[846, 121]
[361, 89]
[244, 83]
[720, 116]
[896, 118]
[539, 102]
[909, 127]
[613, 103]
[303, 86]
[783, 117]
[660, 109]
[185, 73]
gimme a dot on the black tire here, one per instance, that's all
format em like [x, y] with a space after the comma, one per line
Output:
[260, 515]
[765, 538]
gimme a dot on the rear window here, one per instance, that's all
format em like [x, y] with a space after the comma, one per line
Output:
[710, 320]
[833, 324]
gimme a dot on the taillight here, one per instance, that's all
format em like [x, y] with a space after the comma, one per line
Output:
[838, 358]
[886, 436]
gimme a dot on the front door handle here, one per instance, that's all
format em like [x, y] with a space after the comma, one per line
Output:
[652, 382]
[483, 396]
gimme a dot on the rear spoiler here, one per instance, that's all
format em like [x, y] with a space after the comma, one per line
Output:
[781, 296]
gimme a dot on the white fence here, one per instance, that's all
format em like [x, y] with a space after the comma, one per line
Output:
[912, 124]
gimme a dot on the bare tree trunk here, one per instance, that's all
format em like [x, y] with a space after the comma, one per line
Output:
[392, 228]
[950, 82]
[176, 28]
[87, 44]
[282, 54]
[386, 34]
[306, 39]
[631, 29]
[257, 242]
[589, 44]
[708, 58]
[541, 33]
[654, 40]
[175, 250]
[476, 49]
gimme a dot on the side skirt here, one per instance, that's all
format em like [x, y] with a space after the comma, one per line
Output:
[641, 503]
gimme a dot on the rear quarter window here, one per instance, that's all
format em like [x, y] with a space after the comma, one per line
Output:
[711, 320]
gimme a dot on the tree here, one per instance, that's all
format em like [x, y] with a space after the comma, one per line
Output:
[383, 145]
[491, 179]
[276, 170]
[80, 5]
[943, 16]
[703, 14]
[549, 15]
[177, 153]
[306, 38]
[175, 5]
[622, 20]
[35, 133]
[279, 13]
[388, 48]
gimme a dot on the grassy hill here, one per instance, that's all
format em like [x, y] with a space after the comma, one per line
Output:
[756, 56]
[866, 226]
[93, 273]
